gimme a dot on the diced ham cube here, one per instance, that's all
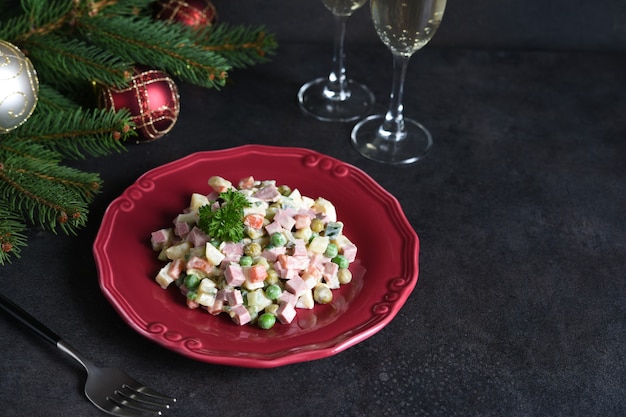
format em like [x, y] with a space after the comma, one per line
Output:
[285, 313]
[302, 221]
[197, 237]
[234, 297]
[349, 251]
[272, 254]
[182, 229]
[299, 248]
[232, 251]
[296, 285]
[268, 193]
[273, 227]
[283, 272]
[218, 304]
[240, 315]
[284, 219]
[161, 238]
[234, 275]
[318, 260]
[288, 297]
[330, 275]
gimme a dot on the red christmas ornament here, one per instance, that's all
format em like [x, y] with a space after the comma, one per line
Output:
[193, 13]
[152, 99]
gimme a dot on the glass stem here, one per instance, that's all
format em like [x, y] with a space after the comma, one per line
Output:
[337, 86]
[392, 127]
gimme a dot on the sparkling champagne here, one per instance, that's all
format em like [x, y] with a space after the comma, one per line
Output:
[343, 7]
[406, 25]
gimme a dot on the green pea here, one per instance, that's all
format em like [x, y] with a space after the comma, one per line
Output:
[284, 190]
[273, 291]
[266, 321]
[192, 295]
[192, 281]
[253, 249]
[331, 250]
[245, 260]
[341, 261]
[278, 239]
[317, 225]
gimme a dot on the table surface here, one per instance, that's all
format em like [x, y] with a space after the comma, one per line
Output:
[520, 208]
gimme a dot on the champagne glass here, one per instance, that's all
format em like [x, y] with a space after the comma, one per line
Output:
[404, 26]
[337, 98]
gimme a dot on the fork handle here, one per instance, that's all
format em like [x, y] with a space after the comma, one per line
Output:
[29, 321]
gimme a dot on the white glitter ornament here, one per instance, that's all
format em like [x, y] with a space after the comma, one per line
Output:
[18, 87]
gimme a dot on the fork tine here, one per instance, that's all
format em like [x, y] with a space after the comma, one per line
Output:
[149, 392]
[127, 407]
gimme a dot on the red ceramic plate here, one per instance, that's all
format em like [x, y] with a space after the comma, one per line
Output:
[384, 273]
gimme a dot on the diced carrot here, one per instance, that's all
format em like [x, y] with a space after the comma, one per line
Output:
[246, 183]
[198, 263]
[254, 221]
[176, 267]
[283, 260]
[257, 273]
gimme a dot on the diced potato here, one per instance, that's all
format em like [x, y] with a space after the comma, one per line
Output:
[249, 285]
[304, 234]
[296, 198]
[207, 286]
[178, 251]
[319, 244]
[163, 278]
[205, 299]
[256, 207]
[325, 207]
[190, 217]
[219, 184]
[198, 200]
[306, 300]
[258, 300]
[307, 202]
[213, 254]
[341, 241]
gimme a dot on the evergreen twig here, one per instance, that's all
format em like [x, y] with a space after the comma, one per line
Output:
[75, 45]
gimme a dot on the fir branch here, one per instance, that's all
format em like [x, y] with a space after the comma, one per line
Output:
[41, 164]
[73, 133]
[240, 45]
[40, 195]
[12, 237]
[159, 45]
[58, 59]
[50, 100]
[39, 17]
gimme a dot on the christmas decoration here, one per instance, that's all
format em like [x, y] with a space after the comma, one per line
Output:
[18, 87]
[152, 99]
[74, 45]
[193, 13]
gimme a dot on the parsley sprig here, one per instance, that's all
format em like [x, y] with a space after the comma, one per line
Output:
[225, 223]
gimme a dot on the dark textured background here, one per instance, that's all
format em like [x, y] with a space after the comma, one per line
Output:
[520, 308]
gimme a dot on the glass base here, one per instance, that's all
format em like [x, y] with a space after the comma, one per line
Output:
[317, 101]
[369, 142]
